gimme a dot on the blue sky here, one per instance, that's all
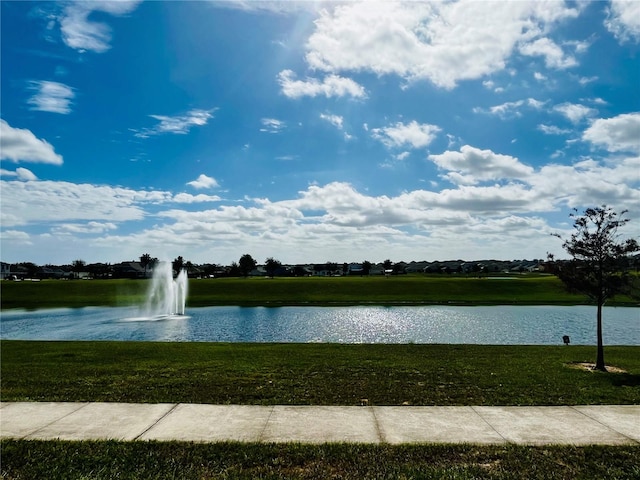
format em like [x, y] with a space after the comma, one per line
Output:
[313, 131]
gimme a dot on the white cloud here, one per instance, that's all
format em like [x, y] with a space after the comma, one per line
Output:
[624, 20]
[471, 165]
[35, 202]
[20, 237]
[414, 134]
[20, 173]
[331, 86]
[575, 112]
[335, 120]
[180, 124]
[590, 183]
[25, 174]
[200, 198]
[84, 228]
[81, 33]
[553, 130]
[508, 109]
[21, 145]
[272, 125]
[204, 181]
[52, 97]
[553, 55]
[49, 201]
[443, 42]
[587, 80]
[617, 134]
[331, 221]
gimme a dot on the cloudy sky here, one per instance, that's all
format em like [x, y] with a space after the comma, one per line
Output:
[313, 131]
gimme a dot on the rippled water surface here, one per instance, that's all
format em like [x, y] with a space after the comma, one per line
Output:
[541, 325]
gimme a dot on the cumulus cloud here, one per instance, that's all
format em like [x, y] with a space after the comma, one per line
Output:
[51, 201]
[624, 20]
[81, 33]
[67, 202]
[52, 97]
[179, 124]
[203, 181]
[200, 198]
[575, 112]
[335, 218]
[330, 86]
[553, 55]
[413, 134]
[471, 165]
[443, 42]
[617, 134]
[20, 173]
[21, 145]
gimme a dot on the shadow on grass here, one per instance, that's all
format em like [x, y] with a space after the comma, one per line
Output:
[625, 380]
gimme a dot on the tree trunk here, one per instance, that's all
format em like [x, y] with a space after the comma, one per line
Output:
[600, 357]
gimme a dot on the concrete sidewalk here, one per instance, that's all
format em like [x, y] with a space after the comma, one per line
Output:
[577, 425]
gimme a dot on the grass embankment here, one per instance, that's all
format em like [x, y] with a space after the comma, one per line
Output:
[188, 461]
[314, 374]
[404, 289]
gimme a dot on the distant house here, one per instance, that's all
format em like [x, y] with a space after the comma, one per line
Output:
[54, 272]
[5, 270]
[129, 270]
[416, 267]
[259, 271]
[355, 269]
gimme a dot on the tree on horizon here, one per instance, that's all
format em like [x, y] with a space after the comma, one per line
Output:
[145, 261]
[246, 264]
[271, 265]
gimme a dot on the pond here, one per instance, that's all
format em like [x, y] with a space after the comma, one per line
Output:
[498, 325]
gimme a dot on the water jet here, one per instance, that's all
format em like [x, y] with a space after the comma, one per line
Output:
[166, 297]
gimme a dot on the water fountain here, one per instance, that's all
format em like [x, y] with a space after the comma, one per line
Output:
[166, 297]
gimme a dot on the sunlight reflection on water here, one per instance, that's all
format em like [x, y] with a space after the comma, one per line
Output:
[430, 324]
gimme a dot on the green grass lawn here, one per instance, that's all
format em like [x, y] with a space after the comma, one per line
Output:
[403, 289]
[314, 374]
[320, 374]
[189, 461]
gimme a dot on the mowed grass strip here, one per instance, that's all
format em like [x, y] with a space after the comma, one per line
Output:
[403, 289]
[188, 461]
[314, 374]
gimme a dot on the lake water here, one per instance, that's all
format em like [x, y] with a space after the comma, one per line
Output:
[538, 325]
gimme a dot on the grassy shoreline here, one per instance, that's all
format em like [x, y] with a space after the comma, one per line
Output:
[308, 291]
[314, 374]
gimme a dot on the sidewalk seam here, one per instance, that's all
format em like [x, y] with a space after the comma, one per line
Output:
[175, 405]
[376, 423]
[506, 440]
[266, 424]
[83, 405]
[633, 440]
